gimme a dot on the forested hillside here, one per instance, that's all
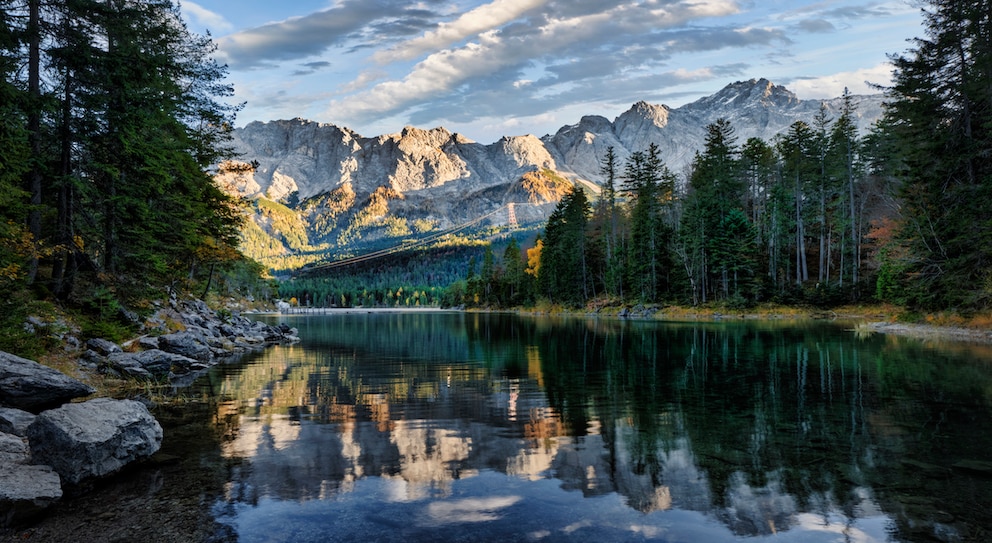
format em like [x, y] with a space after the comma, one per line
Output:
[112, 113]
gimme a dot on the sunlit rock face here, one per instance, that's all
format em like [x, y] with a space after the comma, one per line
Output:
[312, 158]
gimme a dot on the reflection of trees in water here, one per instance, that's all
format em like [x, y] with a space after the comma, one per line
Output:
[765, 426]
[778, 419]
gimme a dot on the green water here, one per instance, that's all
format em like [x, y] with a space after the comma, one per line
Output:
[484, 427]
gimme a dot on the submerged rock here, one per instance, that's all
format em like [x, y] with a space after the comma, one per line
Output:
[30, 386]
[94, 438]
[25, 490]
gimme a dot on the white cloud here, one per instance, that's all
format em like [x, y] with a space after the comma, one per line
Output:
[471, 23]
[446, 70]
[205, 17]
[832, 86]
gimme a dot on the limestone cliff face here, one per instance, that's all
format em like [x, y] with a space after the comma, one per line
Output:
[439, 179]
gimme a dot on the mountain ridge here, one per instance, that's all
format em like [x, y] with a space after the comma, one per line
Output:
[380, 186]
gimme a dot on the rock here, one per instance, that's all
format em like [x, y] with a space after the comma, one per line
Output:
[15, 421]
[153, 362]
[28, 385]
[94, 438]
[103, 347]
[185, 344]
[126, 366]
[25, 491]
[13, 449]
[148, 342]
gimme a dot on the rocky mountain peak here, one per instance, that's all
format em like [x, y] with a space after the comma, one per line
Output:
[642, 111]
[412, 137]
[750, 93]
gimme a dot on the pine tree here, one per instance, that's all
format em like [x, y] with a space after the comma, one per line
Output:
[563, 276]
[15, 153]
[940, 113]
[607, 223]
[716, 188]
[148, 129]
[844, 162]
[798, 166]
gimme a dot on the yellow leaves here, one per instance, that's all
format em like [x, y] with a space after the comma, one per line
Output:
[534, 258]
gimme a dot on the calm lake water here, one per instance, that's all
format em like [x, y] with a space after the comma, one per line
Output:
[484, 427]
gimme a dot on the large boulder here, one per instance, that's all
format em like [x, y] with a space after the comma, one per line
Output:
[24, 489]
[94, 438]
[28, 385]
[153, 362]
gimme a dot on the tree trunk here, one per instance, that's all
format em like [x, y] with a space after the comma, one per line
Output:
[34, 131]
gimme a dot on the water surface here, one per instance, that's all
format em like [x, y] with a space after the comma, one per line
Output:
[485, 427]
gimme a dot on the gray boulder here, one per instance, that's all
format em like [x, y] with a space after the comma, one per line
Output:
[15, 421]
[185, 344]
[13, 449]
[28, 385]
[24, 489]
[102, 346]
[94, 438]
[148, 342]
[153, 362]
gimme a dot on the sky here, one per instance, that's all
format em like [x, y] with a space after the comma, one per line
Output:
[493, 68]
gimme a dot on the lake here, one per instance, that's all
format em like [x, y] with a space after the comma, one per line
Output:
[438, 426]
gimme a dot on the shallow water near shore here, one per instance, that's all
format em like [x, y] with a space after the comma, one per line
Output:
[479, 427]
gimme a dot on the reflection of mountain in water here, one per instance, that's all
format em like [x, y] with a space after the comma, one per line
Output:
[763, 428]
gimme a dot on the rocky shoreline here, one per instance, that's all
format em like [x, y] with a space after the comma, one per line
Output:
[929, 331]
[51, 444]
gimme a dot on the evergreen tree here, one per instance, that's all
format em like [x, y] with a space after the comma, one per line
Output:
[607, 229]
[651, 186]
[515, 276]
[716, 187]
[563, 276]
[845, 164]
[940, 113]
[759, 166]
[14, 162]
[798, 166]
[120, 108]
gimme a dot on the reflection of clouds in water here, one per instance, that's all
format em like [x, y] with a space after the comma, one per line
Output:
[576, 526]
[428, 456]
[834, 524]
[271, 433]
[655, 475]
[469, 510]
[763, 510]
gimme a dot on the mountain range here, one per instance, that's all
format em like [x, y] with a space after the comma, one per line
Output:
[345, 188]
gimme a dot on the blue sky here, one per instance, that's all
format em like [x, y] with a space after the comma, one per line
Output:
[489, 68]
